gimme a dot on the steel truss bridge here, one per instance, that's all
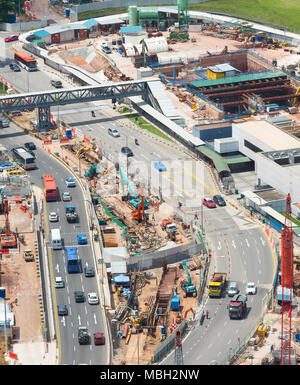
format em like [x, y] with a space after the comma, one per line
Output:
[44, 100]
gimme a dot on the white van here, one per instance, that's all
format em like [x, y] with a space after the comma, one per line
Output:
[56, 239]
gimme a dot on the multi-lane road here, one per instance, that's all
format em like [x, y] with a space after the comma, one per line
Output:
[240, 248]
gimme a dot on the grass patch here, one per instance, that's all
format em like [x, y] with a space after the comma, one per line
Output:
[295, 221]
[277, 13]
[141, 122]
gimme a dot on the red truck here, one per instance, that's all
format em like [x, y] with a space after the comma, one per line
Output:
[237, 307]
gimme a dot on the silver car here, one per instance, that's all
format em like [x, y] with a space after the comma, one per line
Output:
[59, 282]
[4, 123]
[114, 132]
[66, 196]
[53, 217]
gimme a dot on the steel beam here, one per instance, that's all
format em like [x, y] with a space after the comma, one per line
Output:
[48, 99]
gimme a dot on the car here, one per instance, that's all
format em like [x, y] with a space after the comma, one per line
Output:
[81, 239]
[56, 83]
[89, 271]
[93, 299]
[79, 296]
[160, 166]
[4, 123]
[126, 150]
[251, 288]
[16, 113]
[114, 132]
[219, 200]
[70, 182]
[62, 309]
[99, 339]
[14, 67]
[59, 282]
[208, 202]
[30, 146]
[66, 196]
[53, 217]
[233, 289]
[11, 38]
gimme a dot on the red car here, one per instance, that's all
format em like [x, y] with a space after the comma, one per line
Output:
[99, 339]
[208, 202]
[11, 38]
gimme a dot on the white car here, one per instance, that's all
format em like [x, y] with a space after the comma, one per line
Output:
[70, 182]
[59, 282]
[251, 288]
[53, 217]
[114, 132]
[66, 196]
[93, 299]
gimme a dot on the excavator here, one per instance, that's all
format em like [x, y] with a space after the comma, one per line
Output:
[187, 286]
[138, 214]
[8, 240]
[137, 320]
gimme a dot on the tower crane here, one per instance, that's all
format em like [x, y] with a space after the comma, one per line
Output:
[7, 239]
[178, 356]
[287, 284]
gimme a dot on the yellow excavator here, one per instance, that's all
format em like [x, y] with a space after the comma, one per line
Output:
[82, 149]
[137, 320]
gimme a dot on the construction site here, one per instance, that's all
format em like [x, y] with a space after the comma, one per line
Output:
[217, 73]
[20, 269]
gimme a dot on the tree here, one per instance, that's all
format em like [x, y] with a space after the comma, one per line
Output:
[10, 6]
[6, 6]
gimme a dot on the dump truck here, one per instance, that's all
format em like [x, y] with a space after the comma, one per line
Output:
[217, 285]
[71, 214]
[83, 335]
[237, 307]
[28, 255]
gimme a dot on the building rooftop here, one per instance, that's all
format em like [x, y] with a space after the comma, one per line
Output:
[237, 79]
[270, 195]
[271, 136]
[219, 68]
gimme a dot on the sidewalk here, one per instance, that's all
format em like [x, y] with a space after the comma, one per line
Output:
[34, 353]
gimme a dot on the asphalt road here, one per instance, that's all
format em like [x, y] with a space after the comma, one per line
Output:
[249, 253]
[241, 250]
[80, 314]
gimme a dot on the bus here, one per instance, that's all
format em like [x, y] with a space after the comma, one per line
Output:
[26, 160]
[50, 188]
[73, 262]
[25, 61]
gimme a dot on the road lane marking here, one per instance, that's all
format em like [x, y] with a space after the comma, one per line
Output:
[79, 320]
[247, 242]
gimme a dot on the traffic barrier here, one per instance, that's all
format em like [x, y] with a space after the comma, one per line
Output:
[64, 140]
[47, 142]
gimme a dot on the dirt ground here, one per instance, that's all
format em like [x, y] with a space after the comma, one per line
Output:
[142, 344]
[21, 280]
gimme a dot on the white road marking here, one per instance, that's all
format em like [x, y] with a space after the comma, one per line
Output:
[63, 321]
[233, 244]
[85, 310]
[262, 241]
[57, 268]
[95, 318]
[219, 246]
[79, 321]
[246, 240]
